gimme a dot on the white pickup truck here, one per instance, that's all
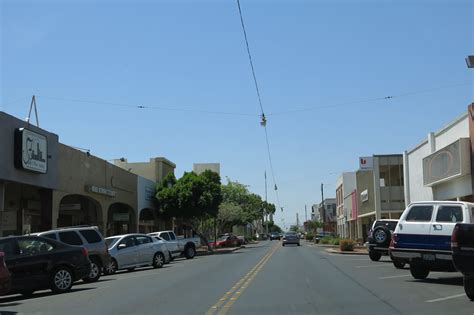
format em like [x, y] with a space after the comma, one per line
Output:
[179, 246]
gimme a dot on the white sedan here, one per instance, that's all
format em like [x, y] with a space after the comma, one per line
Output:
[130, 251]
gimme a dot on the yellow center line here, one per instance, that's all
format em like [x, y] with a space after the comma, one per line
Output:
[237, 289]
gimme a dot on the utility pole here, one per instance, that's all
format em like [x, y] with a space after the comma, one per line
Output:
[322, 203]
[266, 197]
[305, 214]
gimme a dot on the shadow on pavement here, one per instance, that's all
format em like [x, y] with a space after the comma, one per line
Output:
[7, 313]
[17, 297]
[446, 281]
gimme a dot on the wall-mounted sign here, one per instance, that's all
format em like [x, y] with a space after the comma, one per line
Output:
[364, 196]
[447, 163]
[101, 191]
[366, 163]
[31, 151]
[121, 217]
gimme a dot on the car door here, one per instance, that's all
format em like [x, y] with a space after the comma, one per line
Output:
[444, 220]
[173, 244]
[31, 263]
[127, 252]
[10, 248]
[414, 227]
[145, 249]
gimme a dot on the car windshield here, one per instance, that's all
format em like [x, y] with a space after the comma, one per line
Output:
[237, 156]
[110, 241]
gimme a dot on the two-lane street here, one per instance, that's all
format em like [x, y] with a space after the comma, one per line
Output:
[265, 278]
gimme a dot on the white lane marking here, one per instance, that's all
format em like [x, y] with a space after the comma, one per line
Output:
[446, 298]
[393, 277]
[374, 266]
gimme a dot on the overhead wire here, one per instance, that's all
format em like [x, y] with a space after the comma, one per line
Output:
[264, 121]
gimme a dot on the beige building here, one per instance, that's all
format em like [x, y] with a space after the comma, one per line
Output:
[155, 169]
[198, 168]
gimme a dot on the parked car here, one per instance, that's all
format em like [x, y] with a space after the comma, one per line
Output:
[243, 239]
[169, 257]
[462, 245]
[274, 236]
[37, 263]
[179, 246]
[5, 277]
[290, 238]
[130, 251]
[227, 241]
[88, 237]
[423, 235]
[378, 239]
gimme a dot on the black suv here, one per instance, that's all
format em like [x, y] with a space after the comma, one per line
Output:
[89, 237]
[379, 238]
[37, 263]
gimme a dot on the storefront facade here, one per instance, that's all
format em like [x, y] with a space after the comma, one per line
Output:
[440, 168]
[28, 176]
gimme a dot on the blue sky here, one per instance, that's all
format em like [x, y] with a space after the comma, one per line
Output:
[190, 55]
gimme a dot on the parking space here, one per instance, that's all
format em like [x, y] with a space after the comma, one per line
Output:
[440, 293]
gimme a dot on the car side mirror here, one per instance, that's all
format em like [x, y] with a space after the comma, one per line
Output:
[122, 246]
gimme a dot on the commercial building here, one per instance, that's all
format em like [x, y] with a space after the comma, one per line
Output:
[198, 168]
[346, 205]
[327, 214]
[155, 169]
[440, 167]
[379, 183]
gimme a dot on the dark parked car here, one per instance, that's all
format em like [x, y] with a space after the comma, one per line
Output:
[462, 244]
[290, 238]
[37, 263]
[5, 277]
[379, 237]
[88, 237]
[274, 236]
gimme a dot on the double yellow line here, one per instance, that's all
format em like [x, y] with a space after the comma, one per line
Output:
[225, 302]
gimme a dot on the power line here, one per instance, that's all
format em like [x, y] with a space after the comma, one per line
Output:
[263, 118]
[146, 106]
[369, 100]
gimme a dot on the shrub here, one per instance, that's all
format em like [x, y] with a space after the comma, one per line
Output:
[325, 240]
[335, 241]
[309, 236]
[346, 245]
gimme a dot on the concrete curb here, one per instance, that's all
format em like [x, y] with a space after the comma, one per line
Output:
[334, 251]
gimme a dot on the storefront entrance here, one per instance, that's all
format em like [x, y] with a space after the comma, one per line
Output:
[121, 219]
[79, 210]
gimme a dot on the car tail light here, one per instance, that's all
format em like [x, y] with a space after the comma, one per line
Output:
[85, 252]
[454, 237]
[394, 240]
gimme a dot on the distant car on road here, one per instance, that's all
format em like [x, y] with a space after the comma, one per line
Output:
[290, 238]
[243, 239]
[379, 237]
[130, 251]
[274, 236]
[37, 263]
[5, 277]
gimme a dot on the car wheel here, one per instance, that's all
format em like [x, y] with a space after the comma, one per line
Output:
[111, 267]
[61, 280]
[158, 260]
[189, 252]
[94, 275]
[282, 244]
[298, 244]
[171, 257]
[381, 235]
[374, 256]
[419, 271]
[469, 287]
[398, 264]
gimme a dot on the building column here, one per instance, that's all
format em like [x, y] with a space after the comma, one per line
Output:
[46, 199]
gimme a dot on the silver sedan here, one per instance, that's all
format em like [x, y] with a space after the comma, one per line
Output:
[130, 251]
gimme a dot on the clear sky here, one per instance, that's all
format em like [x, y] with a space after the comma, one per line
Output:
[190, 55]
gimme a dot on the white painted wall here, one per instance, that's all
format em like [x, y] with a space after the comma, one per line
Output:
[459, 128]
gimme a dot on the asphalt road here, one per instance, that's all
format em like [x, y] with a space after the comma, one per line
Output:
[260, 279]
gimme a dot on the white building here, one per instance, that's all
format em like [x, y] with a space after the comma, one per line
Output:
[345, 188]
[439, 168]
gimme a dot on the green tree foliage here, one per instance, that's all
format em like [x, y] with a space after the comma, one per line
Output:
[294, 228]
[272, 227]
[190, 197]
[313, 225]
